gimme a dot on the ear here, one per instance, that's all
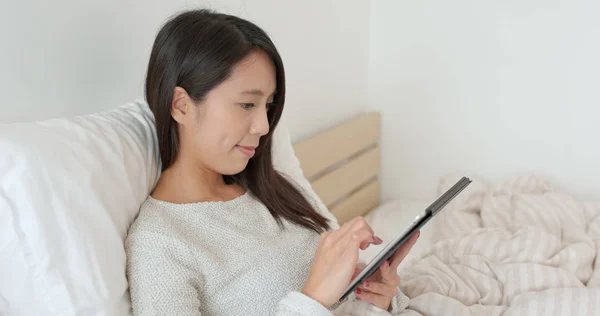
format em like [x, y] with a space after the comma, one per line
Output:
[180, 105]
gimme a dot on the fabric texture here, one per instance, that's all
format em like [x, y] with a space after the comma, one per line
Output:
[224, 258]
[520, 247]
[69, 189]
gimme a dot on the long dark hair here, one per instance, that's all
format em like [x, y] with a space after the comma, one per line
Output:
[197, 50]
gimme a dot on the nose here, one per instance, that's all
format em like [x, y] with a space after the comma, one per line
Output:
[260, 123]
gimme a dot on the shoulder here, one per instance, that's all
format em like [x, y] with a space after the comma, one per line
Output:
[160, 268]
[168, 226]
[157, 238]
[148, 220]
[154, 226]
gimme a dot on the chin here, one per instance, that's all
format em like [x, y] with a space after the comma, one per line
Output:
[234, 169]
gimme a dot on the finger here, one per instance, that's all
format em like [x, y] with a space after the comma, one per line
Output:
[379, 288]
[404, 250]
[360, 232]
[341, 232]
[375, 299]
[358, 269]
[384, 269]
[356, 239]
[376, 241]
[360, 224]
[356, 272]
[364, 245]
[347, 230]
[389, 275]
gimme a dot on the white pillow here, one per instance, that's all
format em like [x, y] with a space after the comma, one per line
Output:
[69, 190]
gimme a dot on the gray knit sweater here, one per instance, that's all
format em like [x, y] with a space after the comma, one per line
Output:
[224, 258]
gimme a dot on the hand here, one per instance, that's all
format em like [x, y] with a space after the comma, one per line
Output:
[381, 287]
[335, 260]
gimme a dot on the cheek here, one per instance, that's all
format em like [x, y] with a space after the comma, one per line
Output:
[216, 150]
[216, 139]
[219, 129]
[231, 128]
[209, 137]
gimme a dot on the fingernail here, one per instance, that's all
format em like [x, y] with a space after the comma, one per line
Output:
[418, 233]
[357, 291]
[379, 240]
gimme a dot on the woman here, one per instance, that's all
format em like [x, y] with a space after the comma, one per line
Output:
[223, 233]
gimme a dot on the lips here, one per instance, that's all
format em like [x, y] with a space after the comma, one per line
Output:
[247, 150]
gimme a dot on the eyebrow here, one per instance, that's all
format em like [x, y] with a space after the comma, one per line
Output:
[257, 92]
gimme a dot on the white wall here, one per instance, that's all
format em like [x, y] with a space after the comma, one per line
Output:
[525, 72]
[486, 88]
[63, 58]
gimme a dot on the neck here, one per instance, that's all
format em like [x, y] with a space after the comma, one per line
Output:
[187, 182]
[198, 177]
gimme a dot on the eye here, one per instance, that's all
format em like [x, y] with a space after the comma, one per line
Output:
[247, 106]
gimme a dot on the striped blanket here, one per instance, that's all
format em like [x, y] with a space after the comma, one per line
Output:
[516, 248]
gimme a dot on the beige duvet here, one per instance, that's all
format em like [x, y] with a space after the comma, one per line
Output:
[515, 248]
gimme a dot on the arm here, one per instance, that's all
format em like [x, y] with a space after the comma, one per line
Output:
[162, 283]
[159, 281]
[298, 304]
[383, 290]
[355, 307]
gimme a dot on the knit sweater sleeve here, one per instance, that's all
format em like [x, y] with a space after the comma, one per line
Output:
[298, 304]
[163, 282]
[356, 307]
[160, 279]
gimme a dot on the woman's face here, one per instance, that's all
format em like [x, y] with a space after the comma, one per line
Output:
[221, 133]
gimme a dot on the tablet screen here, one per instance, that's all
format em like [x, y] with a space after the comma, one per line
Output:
[391, 248]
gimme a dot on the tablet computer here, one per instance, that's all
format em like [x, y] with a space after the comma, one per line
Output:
[399, 240]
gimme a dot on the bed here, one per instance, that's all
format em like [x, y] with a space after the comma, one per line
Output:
[518, 247]
[342, 164]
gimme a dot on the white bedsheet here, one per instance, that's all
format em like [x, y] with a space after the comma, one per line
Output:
[517, 248]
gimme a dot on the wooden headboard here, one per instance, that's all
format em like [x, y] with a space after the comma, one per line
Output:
[342, 165]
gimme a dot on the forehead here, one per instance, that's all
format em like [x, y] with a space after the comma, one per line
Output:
[255, 72]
